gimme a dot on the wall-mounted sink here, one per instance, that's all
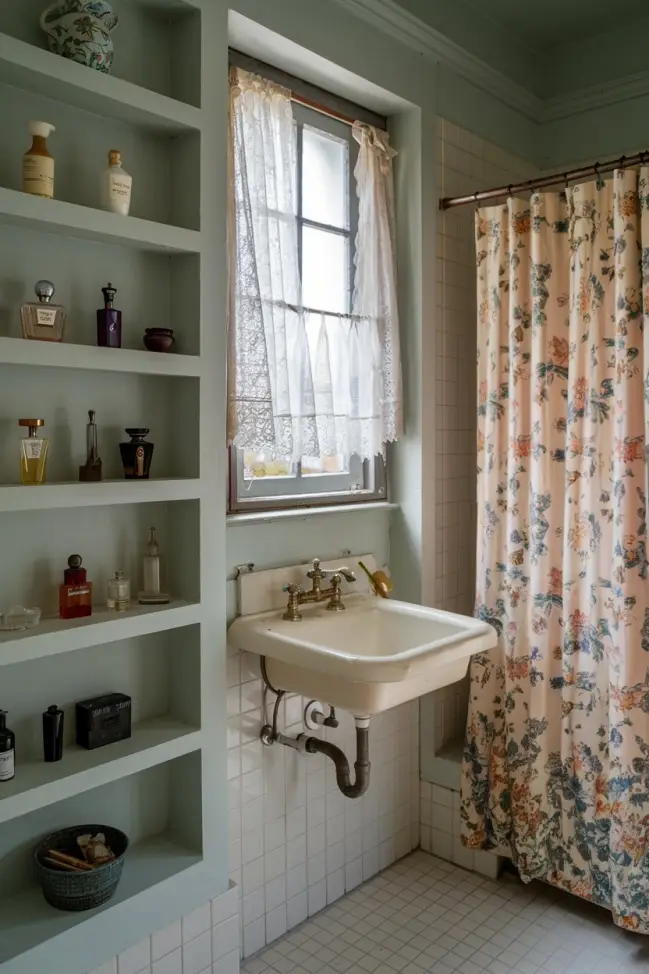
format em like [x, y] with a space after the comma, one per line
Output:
[373, 656]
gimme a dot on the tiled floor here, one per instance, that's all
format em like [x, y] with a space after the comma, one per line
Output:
[424, 914]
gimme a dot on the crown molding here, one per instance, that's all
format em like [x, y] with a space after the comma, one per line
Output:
[596, 96]
[394, 20]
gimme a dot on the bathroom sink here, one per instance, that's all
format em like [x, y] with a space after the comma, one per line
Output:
[375, 655]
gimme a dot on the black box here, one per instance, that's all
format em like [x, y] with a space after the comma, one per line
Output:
[103, 720]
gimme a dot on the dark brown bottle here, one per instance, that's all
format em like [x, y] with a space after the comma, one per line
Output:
[7, 750]
[136, 455]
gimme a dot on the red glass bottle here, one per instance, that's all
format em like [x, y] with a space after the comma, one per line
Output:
[75, 595]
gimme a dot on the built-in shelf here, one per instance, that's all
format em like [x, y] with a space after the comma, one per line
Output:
[27, 921]
[52, 76]
[64, 355]
[38, 784]
[54, 636]
[59, 217]
[48, 497]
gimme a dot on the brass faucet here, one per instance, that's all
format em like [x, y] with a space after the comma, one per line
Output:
[297, 597]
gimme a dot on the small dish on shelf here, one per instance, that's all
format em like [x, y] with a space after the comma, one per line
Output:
[159, 339]
[18, 617]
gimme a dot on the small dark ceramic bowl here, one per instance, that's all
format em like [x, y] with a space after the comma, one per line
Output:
[159, 339]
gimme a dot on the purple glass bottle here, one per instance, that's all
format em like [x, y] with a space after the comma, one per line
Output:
[109, 320]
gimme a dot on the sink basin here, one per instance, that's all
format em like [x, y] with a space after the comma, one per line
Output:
[375, 655]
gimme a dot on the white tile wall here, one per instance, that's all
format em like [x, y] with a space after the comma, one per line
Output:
[439, 817]
[296, 843]
[465, 164]
[205, 941]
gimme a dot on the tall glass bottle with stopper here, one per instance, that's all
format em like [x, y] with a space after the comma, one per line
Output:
[90, 472]
[151, 594]
[33, 452]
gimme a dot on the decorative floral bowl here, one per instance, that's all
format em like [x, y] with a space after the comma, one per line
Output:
[81, 31]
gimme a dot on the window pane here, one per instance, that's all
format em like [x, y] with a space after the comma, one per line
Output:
[325, 270]
[257, 467]
[320, 466]
[324, 179]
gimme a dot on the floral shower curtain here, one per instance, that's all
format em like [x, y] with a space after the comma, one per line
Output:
[556, 762]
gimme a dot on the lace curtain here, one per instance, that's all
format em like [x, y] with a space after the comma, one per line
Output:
[303, 384]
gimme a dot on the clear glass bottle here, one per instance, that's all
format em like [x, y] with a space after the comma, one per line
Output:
[119, 593]
[38, 163]
[75, 595]
[116, 185]
[151, 594]
[42, 320]
[33, 452]
[90, 472]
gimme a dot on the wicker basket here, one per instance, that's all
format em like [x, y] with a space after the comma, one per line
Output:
[80, 891]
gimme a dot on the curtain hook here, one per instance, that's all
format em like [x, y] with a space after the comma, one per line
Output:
[621, 162]
[596, 168]
[643, 157]
[510, 191]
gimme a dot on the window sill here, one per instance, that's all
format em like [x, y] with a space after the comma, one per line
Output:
[257, 517]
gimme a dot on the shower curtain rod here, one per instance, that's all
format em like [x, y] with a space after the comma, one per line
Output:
[623, 162]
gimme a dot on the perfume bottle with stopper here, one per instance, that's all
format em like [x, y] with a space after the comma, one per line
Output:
[38, 163]
[7, 750]
[75, 595]
[41, 319]
[116, 185]
[136, 455]
[109, 320]
[151, 594]
[90, 472]
[53, 734]
[33, 452]
[119, 593]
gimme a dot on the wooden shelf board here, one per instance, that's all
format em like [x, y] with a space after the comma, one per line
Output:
[59, 217]
[27, 922]
[38, 784]
[43, 73]
[47, 497]
[65, 355]
[54, 636]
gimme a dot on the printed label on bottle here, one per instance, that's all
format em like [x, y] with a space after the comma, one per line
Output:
[38, 175]
[7, 768]
[46, 317]
[78, 591]
[120, 188]
[33, 448]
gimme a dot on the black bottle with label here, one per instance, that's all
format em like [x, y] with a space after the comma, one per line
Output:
[7, 750]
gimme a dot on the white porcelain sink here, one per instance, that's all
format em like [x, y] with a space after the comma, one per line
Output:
[375, 655]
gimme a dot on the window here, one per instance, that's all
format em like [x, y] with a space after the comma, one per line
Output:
[314, 377]
[327, 219]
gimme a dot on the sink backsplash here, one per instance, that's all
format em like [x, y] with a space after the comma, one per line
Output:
[262, 591]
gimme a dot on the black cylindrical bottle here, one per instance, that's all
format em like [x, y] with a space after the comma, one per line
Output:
[53, 734]
[7, 750]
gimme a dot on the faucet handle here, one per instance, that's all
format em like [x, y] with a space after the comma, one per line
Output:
[316, 571]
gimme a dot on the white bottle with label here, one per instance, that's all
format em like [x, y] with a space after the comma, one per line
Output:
[116, 185]
[38, 164]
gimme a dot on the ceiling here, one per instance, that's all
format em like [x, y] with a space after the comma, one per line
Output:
[553, 23]
[551, 47]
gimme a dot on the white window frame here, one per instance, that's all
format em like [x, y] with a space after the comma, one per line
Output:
[366, 480]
